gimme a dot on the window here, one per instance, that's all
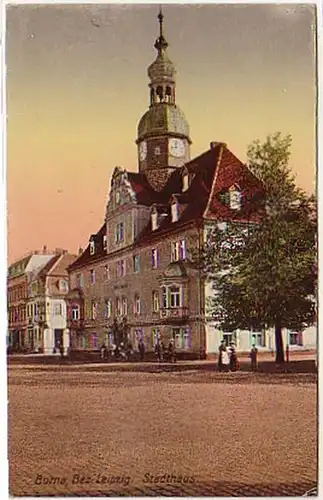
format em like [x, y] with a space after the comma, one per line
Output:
[137, 305]
[174, 251]
[234, 198]
[79, 281]
[175, 296]
[138, 334]
[155, 301]
[229, 337]
[154, 220]
[94, 341]
[121, 268]
[93, 309]
[107, 308]
[181, 337]
[155, 335]
[182, 250]
[178, 250]
[107, 276]
[174, 209]
[165, 298]
[57, 309]
[119, 306]
[92, 276]
[92, 247]
[154, 258]
[136, 263]
[296, 338]
[119, 232]
[258, 338]
[105, 242]
[109, 339]
[75, 312]
[63, 285]
[185, 182]
[124, 306]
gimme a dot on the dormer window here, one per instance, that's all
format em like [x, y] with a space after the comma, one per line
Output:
[185, 182]
[174, 210]
[92, 247]
[105, 242]
[235, 198]
[117, 197]
[154, 219]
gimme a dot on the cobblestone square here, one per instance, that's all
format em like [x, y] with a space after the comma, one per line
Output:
[93, 432]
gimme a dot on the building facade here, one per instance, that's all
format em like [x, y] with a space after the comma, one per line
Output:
[37, 286]
[138, 266]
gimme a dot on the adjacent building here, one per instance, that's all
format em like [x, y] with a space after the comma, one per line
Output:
[37, 286]
[137, 266]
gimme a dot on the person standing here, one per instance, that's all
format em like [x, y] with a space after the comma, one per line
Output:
[225, 359]
[171, 357]
[233, 357]
[222, 347]
[141, 349]
[103, 350]
[253, 357]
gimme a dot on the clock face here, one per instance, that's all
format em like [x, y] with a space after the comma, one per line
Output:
[177, 147]
[143, 150]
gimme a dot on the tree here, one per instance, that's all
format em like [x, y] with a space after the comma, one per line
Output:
[264, 272]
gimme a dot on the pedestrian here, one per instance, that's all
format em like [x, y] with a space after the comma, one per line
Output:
[253, 357]
[222, 347]
[157, 349]
[233, 357]
[162, 351]
[141, 349]
[103, 350]
[170, 352]
[225, 359]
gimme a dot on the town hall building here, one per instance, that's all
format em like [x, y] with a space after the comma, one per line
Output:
[138, 265]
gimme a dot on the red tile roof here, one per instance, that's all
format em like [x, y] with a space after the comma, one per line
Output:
[211, 173]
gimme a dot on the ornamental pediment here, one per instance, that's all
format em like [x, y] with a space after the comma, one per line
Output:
[175, 270]
[121, 191]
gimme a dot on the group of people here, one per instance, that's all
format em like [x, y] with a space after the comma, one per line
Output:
[125, 353]
[164, 354]
[120, 352]
[228, 359]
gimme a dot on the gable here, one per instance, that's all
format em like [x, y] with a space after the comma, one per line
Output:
[121, 192]
[233, 175]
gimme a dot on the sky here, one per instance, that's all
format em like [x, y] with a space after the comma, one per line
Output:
[77, 86]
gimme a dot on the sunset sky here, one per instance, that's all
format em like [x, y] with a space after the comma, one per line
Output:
[75, 93]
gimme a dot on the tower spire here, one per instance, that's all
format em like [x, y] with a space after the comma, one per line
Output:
[161, 43]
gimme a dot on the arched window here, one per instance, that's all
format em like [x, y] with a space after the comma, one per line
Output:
[160, 93]
[137, 305]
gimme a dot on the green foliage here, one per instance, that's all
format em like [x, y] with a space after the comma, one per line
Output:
[264, 274]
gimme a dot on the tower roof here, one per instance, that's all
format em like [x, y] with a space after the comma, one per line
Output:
[162, 68]
[163, 119]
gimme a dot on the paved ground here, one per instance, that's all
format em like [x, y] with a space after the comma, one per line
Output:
[80, 431]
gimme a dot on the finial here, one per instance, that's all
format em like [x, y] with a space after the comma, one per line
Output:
[161, 19]
[161, 43]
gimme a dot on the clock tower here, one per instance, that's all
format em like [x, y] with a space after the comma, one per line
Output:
[163, 133]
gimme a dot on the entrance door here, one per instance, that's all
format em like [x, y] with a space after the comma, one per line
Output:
[58, 338]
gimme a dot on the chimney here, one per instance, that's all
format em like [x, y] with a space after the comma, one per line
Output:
[80, 251]
[45, 249]
[214, 144]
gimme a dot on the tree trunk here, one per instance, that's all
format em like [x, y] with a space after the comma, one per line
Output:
[279, 343]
